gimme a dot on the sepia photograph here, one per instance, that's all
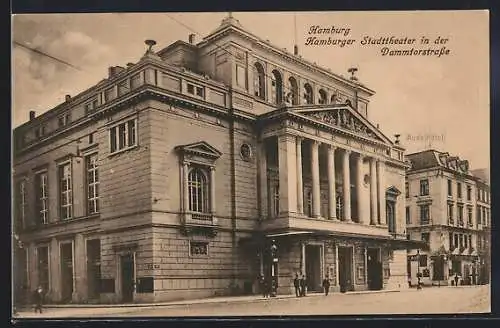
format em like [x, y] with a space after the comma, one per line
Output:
[250, 164]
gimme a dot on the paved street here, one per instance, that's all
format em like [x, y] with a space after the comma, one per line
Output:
[427, 301]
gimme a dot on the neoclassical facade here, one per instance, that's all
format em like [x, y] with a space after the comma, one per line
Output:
[170, 178]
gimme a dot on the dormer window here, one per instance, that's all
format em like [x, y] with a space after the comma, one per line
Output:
[64, 120]
[91, 106]
[40, 131]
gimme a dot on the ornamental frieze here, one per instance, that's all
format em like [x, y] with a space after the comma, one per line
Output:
[343, 118]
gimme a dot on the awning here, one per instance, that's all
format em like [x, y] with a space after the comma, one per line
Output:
[395, 243]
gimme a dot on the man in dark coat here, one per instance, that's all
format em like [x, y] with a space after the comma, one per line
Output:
[456, 279]
[38, 299]
[326, 285]
[303, 284]
[296, 284]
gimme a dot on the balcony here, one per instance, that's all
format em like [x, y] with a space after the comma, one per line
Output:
[299, 222]
[199, 222]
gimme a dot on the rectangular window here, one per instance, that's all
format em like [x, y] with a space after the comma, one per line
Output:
[407, 190]
[198, 248]
[455, 240]
[425, 237]
[22, 203]
[450, 191]
[123, 88]
[424, 214]
[450, 214]
[65, 189]
[42, 254]
[92, 169]
[123, 136]
[91, 106]
[450, 240]
[199, 92]
[190, 88]
[109, 94]
[64, 120]
[40, 131]
[408, 218]
[422, 260]
[470, 241]
[42, 206]
[424, 187]
[469, 216]
[459, 190]
[276, 201]
[460, 215]
[469, 193]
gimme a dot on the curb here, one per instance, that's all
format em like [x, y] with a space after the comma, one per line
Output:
[202, 301]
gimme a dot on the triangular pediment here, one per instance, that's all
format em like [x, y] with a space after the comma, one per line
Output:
[392, 190]
[200, 148]
[343, 116]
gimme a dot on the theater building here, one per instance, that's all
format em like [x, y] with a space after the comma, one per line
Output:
[447, 207]
[170, 178]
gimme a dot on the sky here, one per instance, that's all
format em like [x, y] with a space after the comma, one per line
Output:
[442, 99]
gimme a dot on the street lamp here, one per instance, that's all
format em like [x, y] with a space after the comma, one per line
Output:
[274, 266]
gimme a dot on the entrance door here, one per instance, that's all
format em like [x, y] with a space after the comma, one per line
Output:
[313, 268]
[127, 267]
[345, 268]
[66, 272]
[374, 269]
[438, 268]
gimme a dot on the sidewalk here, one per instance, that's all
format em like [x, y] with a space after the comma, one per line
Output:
[99, 309]
[226, 299]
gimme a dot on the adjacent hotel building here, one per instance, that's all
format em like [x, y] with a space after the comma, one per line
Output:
[171, 178]
[448, 207]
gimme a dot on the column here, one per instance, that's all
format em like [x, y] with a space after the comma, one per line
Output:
[80, 269]
[300, 187]
[263, 186]
[359, 189]
[347, 185]
[381, 186]
[315, 179]
[212, 190]
[287, 174]
[185, 172]
[332, 204]
[54, 270]
[373, 192]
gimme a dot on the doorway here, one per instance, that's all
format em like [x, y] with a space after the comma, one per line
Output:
[127, 277]
[313, 268]
[438, 268]
[345, 268]
[93, 268]
[66, 272]
[374, 269]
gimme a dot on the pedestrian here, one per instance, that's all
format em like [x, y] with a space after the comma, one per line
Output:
[38, 298]
[409, 281]
[296, 284]
[456, 279]
[326, 285]
[303, 284]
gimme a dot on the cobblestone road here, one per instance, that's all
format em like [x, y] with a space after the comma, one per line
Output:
[427, 301]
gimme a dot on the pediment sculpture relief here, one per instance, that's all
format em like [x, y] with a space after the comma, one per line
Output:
[343, 118]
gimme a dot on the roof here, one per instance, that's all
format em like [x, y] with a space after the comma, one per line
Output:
[483, 174]
[432, 158]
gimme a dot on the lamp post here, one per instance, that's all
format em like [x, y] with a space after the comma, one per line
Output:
[274, 265]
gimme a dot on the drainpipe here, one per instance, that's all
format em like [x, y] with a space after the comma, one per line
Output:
[233, 184]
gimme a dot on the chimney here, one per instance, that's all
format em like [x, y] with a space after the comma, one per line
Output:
[32, 115]
[68, 97]
[295, 50]
[130, 64]
[191, 38]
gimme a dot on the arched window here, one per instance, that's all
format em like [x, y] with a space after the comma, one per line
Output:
[333, 99]
[308, 94]
[322, 97]
[198, 190]
[292, 92]
[259, 81]
[277, 87]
